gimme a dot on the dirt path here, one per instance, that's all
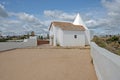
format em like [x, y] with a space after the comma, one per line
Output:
[46, 64]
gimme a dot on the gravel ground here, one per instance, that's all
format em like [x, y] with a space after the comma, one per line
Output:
[46, 64]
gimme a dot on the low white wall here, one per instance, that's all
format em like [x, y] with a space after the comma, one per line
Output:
[8, 45]
[12, 45]
[107, 64]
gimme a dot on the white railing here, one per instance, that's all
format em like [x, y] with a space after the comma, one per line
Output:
[12, 45]
[107, 64]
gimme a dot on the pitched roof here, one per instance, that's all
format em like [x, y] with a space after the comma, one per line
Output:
[78, 21]
[67, 26]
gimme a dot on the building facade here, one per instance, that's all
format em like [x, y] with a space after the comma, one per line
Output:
[69, 34]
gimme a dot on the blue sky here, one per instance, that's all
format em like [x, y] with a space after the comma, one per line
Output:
[22, 16]
[38, 6]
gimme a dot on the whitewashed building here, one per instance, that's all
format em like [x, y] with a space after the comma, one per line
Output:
[69, 34]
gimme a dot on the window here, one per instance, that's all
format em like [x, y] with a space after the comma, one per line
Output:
[75, 36]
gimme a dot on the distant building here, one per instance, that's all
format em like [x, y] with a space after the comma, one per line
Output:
[69, 34]
[32, 33]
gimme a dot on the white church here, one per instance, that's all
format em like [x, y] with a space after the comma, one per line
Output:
[68, 34]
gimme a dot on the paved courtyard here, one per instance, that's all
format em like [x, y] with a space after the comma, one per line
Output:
[46, 64]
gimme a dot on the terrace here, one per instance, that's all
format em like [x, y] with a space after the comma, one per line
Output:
[44, 63]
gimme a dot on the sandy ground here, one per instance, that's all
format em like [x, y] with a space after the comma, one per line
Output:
[46, 64]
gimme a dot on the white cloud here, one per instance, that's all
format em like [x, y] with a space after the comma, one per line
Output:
[91, 22]
[20, 23]
[59, 15]
[110, 22]
[113, 17]
[3, 12]
[27, 17]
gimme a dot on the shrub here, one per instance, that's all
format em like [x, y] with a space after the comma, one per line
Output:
[110, 43]
[3, 40]
[114, 38]
[100, 42]
[58, 44]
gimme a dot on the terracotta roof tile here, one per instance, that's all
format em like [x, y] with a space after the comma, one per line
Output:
[68, 26]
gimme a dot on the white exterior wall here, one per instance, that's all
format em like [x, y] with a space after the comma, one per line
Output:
[54, 36]
[69, 40]
[78, 21]
[59, 37]
[91, 34]
[12, 45]
[66, 38]
[107, 64]
[50, 35]
[87, 37]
